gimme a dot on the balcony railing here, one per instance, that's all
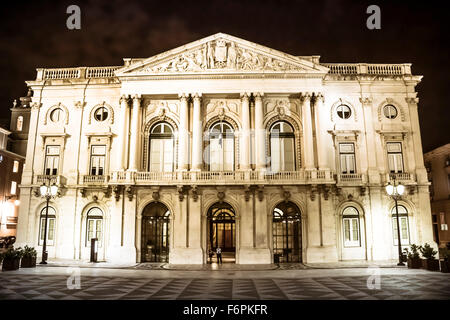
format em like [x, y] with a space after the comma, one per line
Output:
[351, 178]
[44, 178]
[94, 179]
[403, 177]
[225, 177]
[76, 73]
[369, 68]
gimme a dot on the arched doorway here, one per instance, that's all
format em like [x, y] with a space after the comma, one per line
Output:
[287, 233]
[222, 231]
[155, 233]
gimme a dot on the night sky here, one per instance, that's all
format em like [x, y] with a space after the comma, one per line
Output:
[34, 34]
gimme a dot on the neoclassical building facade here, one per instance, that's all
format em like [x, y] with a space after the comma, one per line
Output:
[225, 143]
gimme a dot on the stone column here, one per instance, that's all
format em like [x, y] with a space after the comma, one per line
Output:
[322, 147]
[134, 138]
[123, 134]
[421, 173]
[244, 148]
[197, 139]
[260, 134]
[183, 134]
[307, 132]
[372, 166]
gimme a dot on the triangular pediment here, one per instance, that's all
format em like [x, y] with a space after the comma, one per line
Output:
[220, 53]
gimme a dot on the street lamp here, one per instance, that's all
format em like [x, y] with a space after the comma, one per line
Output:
[48, 192]
[395, 191]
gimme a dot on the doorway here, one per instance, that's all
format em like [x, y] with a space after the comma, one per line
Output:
[287, 233]
[222, 232]
[155, 233]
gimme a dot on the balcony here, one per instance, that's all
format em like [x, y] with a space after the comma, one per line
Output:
[354, 179]
[95, 179]
[44, 178]
[402, 177]
[223, 177]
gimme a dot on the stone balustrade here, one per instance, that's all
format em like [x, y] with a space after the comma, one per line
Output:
[369, 68]
[335, 68]
[76, 73]
[222, 177]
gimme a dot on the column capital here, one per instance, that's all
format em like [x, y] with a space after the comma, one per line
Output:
[124, 98]
[366, 101]
[196, 95]
[412, 100]
[182, 96]
[319, 97]
[137, 97]
[245, 95]
[258, 95]
[305, 96]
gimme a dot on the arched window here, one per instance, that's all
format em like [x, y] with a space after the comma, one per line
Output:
[282, 147]
[57, 115]
[221, 147]
[404, 225]
[351, 229]
[343, 111]
[161, 148]
[51, 223]
[19, 123]
[94, 226]
[390, 111]
[101, 114]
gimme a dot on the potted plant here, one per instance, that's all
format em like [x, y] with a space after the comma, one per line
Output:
[414, 261]
[429, 262]
[11, 259]
[28, 257]
[445, 263]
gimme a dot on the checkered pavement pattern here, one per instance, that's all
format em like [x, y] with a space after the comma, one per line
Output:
[396, 287]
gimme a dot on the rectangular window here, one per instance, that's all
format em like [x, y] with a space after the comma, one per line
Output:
[395, 157]
[51, 160]
[94, 230]
[404, 230]
[50, 231]
[161, 155]
[347, 158]
[13, 187]
[98, 154]
[351, 232]
[16, 166]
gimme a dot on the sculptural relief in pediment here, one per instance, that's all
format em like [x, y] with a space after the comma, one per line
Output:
[220, 55]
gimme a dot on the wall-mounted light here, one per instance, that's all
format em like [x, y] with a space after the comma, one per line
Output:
[17, 202]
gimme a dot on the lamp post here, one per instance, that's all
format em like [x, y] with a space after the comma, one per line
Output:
[395, 191]
[47, 192]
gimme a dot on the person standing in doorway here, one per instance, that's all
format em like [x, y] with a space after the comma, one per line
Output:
[219, 255]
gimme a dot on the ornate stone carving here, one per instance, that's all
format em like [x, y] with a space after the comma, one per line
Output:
[221, 196]
[313, 192]
[116, 190]
[260, 193]
[180, 190]
[326, 191]
[362, 191]
[129, 191]
[83, 192]
[247, 193]
[286, 195]
[221, 54]
[155, 195]
[195, 193]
